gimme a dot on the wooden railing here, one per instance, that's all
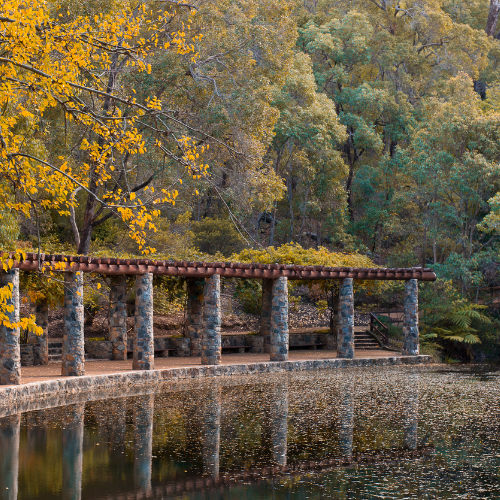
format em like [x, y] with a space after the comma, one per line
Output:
[378, 328]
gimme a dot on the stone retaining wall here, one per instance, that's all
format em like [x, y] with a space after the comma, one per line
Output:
[11, 396]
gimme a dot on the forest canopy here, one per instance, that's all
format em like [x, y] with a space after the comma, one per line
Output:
[169, 128]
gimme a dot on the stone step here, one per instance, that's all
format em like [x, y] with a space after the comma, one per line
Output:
[360, 344]
[55, 357]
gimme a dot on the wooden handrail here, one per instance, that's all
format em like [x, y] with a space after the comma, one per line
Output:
[384, 334]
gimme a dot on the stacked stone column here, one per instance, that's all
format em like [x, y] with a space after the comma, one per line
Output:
[41, 342]
[118, 317]
[345, 321]
[211, 339]
[144, 348]
[10, 351]
[410, 322]
[279, 320]
[73, 346]
[194, 314]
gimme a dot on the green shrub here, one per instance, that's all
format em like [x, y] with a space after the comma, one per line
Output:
[249, 294]
[217, 235]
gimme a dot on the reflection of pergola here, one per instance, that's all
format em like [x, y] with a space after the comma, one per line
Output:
[203, 307]
[203, 421]
[265, 473]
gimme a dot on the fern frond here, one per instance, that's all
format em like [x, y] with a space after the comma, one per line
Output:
[470, 338]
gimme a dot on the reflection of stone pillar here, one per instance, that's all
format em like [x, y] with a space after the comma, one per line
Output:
[194, 313]
[211, 429]
[278, 398]
[41, 342]
[10, 350]
[143, 441]
[410, 324]
[118, 427]
[265, 316]
[144, 347]
[410, 426]
[211, 340]
[279, 320]
[118, 317]
[72, 443]
[346, 418]
[73, 346]
[345, 323]
[9, 456]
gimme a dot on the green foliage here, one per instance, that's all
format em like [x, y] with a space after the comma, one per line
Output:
[249, 294]
[169, 295]
[9, 230]
[216, 235]
[450, 318]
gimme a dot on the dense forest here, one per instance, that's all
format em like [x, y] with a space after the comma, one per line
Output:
[366, 127]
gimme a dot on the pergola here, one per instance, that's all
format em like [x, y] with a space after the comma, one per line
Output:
[203, 307]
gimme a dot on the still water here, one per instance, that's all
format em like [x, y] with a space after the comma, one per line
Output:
[392, 433]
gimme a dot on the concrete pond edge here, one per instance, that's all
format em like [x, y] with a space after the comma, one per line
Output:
[49, 393]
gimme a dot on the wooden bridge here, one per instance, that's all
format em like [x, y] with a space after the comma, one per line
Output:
[203, 318]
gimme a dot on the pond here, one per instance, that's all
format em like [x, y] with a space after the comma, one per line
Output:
[359, 433]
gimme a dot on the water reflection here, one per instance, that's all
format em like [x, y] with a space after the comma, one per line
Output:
[211, 429]
[219, 435]
[410, 425]
[9, 456]
[346, 418]
[72, 444]
[143, 442]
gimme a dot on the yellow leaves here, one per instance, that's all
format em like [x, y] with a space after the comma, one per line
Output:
[132, 196]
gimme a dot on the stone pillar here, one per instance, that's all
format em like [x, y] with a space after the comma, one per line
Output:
[410, 325]
[9, 456]
[73, 346]
[144, 347]
[211, 340]
[211, 429]
[345, 322]
[41, 342]
[265, 316]
[143, 442]
[410, 424]
[194, 314]
[279, 423]
[10, 351]
[118, 317]
[346, 418]
[279, 320]
[72, 444]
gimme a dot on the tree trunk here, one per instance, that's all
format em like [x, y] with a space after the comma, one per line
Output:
[273, 223]
[290, 202]
[491, 23]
